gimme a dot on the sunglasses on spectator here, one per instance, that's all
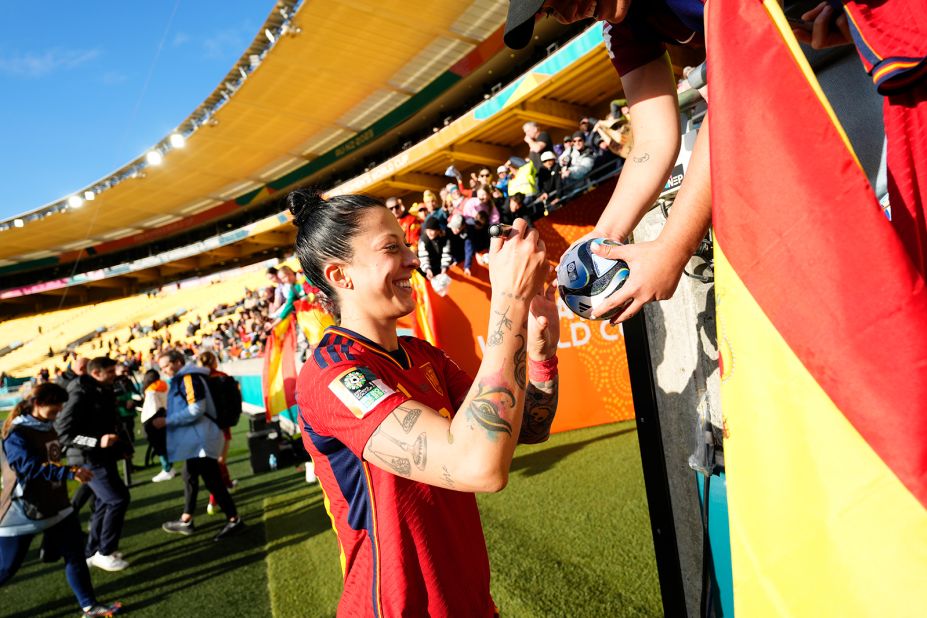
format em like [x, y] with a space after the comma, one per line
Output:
[484, 175]
[579, 140]
[397, 207]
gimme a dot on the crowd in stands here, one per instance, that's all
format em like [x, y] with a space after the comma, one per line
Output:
[452, 226]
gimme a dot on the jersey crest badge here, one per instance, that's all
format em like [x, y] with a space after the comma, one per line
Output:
[432, 378]
[360, 390]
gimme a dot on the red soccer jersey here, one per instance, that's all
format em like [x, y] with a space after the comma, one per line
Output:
[407, 548]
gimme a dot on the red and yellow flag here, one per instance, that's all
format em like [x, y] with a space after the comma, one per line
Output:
[424, 323]
[279, 375]
[822, 329]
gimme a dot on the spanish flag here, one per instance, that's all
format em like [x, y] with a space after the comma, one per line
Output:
[279, 375]
[423, 324]
[822, 330]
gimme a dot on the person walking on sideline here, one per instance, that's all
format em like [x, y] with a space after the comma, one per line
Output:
[35, 496]
[194, 437]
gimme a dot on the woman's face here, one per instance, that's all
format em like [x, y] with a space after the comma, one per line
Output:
[46, 413]
[483, 196]
[381, 269]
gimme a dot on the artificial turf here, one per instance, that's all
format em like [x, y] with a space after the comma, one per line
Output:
[569, 536]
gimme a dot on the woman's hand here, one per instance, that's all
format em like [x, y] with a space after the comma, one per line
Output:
[829, 27]
[544, 325]
[518, 264]
[655, 272]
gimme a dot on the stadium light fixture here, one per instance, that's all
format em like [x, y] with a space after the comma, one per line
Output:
[269, 35]
[154, 157]
[18, 223]
[75, 201]
[89, 196]
[177, 140]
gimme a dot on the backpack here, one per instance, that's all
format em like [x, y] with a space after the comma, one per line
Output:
[226, 396]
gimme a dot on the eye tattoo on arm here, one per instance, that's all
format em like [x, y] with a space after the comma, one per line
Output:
[484, 409]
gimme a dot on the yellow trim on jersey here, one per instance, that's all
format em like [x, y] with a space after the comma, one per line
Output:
[188, 386]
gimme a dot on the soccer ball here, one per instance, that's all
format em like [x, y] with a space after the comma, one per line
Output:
[585, 280]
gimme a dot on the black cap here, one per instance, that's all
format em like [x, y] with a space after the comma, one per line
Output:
[519, 25]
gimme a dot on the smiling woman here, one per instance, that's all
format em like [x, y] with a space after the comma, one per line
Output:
[400, 436]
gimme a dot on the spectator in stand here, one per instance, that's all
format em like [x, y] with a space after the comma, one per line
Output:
[586, 127]
[454, 199]
[209, 361]
[550, 181]
[577, 162]
[278, 299]
[538, 142]
[89, 429]
[518, 209]
[434, 210]
[35, 496]
[524, 177]
[194, 437]
[76, 368]
[481, 202]
[481, 178]
[434, 250]
[409, 224]
[155, 406]
[503, 182]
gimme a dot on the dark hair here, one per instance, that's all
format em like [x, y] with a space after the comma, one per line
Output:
[271, 271]
[174, 356]
[208, 359]
[100, 363]
[326, 228]
[151, 376]
[48, 394]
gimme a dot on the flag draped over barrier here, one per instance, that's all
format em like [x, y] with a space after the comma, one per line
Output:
[280, 370]
[822, 330]
[424, 323]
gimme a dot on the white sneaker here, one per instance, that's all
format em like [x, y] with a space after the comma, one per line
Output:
[163, 475]
[310, 474]
[107, 563]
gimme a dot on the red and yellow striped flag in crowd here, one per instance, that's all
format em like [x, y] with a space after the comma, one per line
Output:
[424, 323]
[822, 329]
[279, 374]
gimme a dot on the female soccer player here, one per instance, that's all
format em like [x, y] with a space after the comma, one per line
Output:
[400, 435]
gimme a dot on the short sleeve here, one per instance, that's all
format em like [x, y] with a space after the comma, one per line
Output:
[631, 44]
[346, 401]
[457, 380]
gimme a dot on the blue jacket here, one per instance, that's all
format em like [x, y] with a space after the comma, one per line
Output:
[190, 434]
[32, 470]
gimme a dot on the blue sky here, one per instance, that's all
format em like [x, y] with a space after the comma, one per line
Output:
[84, 88]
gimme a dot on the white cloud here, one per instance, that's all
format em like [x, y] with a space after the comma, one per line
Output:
[38, 64]
[111, 78]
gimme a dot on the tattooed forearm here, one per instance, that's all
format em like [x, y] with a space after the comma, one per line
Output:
[486, 406]
[503, 324]
[540, 407]
[521, 363]
[406, 417]
[642, 159]
[398, 463]
[510, 295]
[446, 475]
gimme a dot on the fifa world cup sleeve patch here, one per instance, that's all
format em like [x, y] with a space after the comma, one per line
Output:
[359, 390]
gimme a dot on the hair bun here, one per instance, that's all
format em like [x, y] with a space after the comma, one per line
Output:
[302, 203]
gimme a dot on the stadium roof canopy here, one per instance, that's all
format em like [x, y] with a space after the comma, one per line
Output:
[317, 74]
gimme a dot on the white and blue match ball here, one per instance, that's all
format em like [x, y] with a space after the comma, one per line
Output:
[585, 280]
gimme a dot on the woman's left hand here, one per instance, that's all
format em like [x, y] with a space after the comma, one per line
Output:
[543, 325]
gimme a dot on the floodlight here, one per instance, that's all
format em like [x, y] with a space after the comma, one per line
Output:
[154, 157]
[75, 201]
[18, 223]
[90, 196]
[177, 140]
